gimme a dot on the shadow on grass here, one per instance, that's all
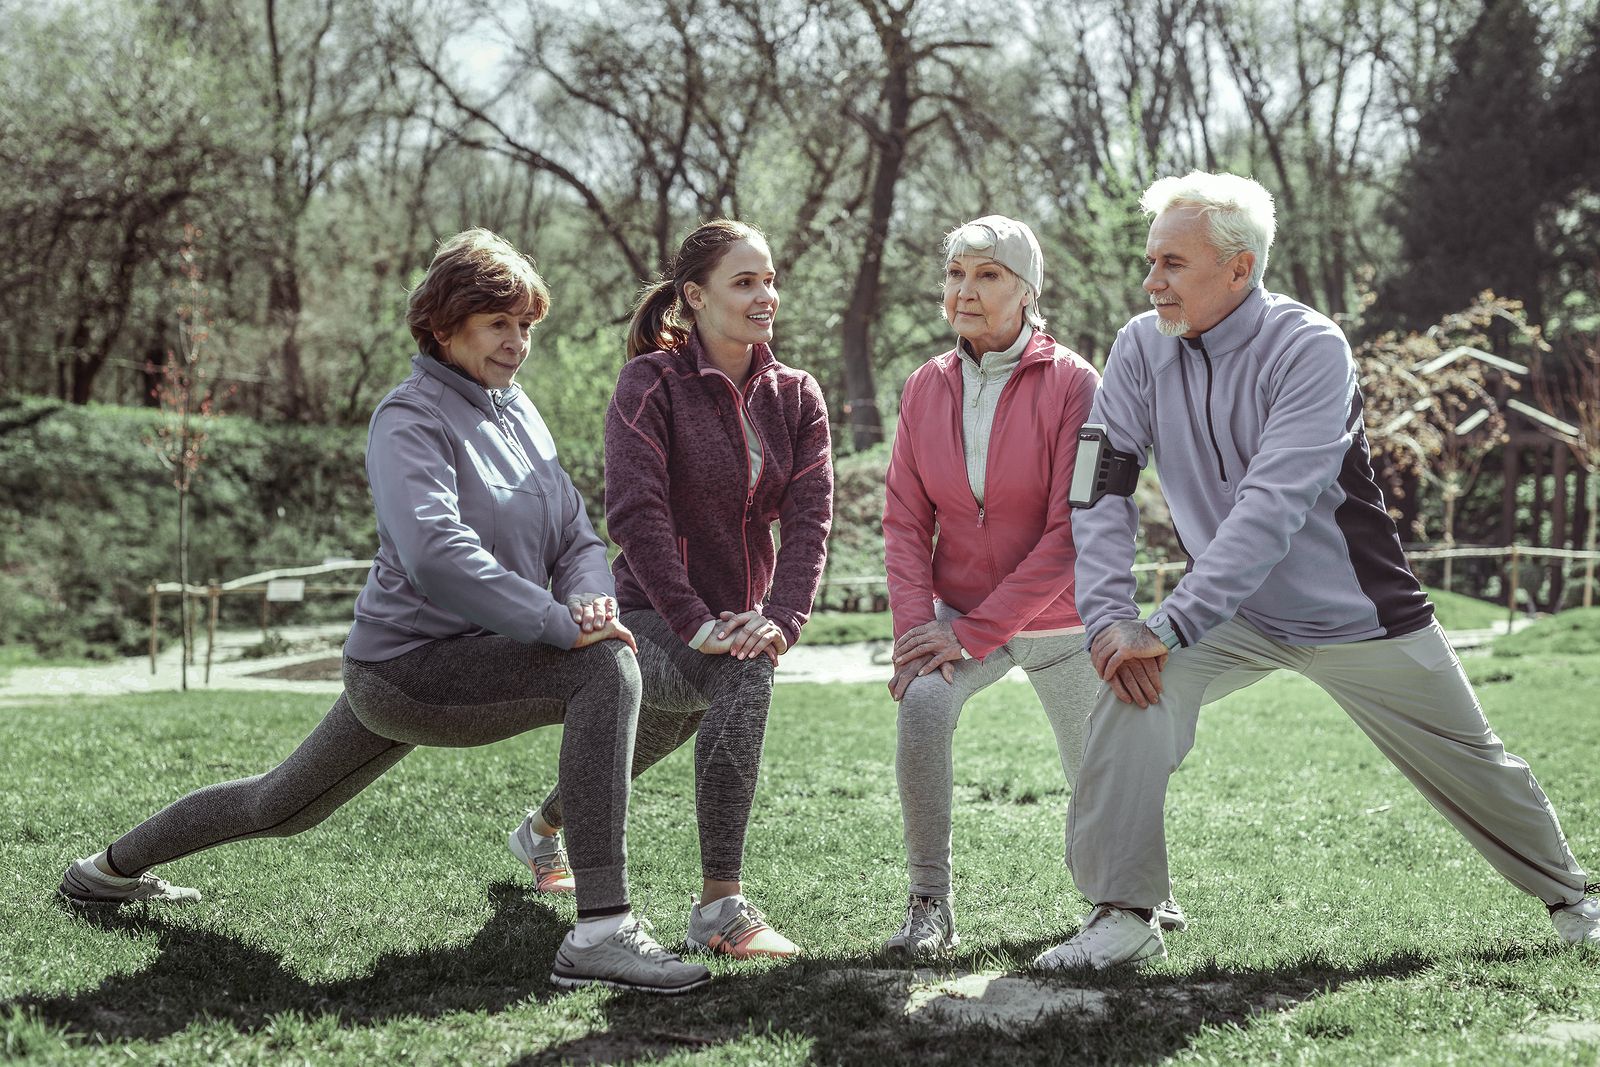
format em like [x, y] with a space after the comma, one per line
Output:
[853, 1011]
[848, 1009]
[203, 975]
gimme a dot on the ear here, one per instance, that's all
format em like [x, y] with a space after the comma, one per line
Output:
[694, 295]
[1239, 274]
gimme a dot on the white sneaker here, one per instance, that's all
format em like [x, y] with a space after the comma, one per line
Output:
[84, 883]
[1110, 937]
[1578, 924]
[1170, 917]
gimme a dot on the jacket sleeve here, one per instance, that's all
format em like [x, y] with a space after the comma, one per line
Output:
[1312, 411]
[804, 518]
[908, 524]
[581, 566]
[1104, 586]
[1046, 572]
[638, 500]
[410, 464]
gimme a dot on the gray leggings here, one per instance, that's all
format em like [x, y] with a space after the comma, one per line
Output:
[727, 700]
[1065, 681]
[453, 693]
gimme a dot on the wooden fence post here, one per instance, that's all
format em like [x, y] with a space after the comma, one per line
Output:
[213, 594]
[1511, 588]
[155, 616]
[1160, 584]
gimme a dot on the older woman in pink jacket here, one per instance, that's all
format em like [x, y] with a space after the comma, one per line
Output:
[977, 538]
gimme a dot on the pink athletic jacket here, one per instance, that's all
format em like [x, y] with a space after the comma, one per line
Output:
[1007, 567]
[695, 535]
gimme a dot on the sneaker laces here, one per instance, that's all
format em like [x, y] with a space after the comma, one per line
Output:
[922, 918]
[636, 935]
[550, 863]
[746, 921]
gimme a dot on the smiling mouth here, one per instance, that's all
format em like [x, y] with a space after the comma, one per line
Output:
[763, 317]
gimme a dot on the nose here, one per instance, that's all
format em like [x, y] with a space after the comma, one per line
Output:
[1153, 283]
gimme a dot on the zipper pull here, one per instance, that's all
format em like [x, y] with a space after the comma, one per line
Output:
[980, 514]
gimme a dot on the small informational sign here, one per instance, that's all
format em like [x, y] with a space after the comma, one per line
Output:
[286, 590]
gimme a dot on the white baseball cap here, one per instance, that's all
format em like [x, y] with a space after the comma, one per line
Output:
[1006, 241]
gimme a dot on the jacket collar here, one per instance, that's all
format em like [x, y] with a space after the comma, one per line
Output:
[762, 361]
[1041, 346]
[485, 400]
[1238, 329]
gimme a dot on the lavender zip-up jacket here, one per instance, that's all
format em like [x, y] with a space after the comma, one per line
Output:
[1257, 432]
[479, 529]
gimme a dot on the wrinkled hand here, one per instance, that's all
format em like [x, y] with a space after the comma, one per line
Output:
[934, 640]
[1129, 658]
[904, 676]
[613, 630]
[748, 634]
[591, 611]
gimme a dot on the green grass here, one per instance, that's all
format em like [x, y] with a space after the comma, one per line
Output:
[1337, 919]
[1457, 612]
[1572, 633]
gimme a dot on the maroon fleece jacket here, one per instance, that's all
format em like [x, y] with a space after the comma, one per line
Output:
[696, 538]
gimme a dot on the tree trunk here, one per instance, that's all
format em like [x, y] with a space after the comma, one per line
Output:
[283, 313]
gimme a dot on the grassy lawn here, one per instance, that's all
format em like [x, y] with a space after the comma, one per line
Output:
[1336, 918]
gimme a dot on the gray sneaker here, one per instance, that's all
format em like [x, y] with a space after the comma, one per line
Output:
[85, 884]
[929, 929]
[1169, 914]
[551, 871]
[628, 959]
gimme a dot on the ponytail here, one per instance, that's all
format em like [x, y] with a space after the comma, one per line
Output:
[662, 320]
[656, 325]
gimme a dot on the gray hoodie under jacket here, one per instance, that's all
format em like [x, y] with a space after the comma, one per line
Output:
[479, 529]
[1258, 438]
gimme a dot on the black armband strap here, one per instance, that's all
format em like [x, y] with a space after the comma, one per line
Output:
[1100, 469]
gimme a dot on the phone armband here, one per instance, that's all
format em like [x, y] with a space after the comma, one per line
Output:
[1100, 468]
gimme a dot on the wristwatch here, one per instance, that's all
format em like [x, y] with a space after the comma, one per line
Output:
[1165, 632]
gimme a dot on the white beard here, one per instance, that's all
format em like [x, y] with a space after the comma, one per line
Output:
[1172, 327]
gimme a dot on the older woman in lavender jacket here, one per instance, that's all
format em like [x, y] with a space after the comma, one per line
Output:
[488, 612]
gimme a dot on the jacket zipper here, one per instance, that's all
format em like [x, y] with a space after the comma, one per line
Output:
[1222, 471]
[750, 486]
[988, 546]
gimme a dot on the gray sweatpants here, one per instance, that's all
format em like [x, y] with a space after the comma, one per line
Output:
[1064, 680]
[727, 701]
[1408, 694]
[452, 693]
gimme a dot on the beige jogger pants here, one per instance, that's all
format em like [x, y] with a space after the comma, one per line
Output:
[1408, 694]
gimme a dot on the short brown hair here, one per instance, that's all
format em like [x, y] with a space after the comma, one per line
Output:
[472, 272]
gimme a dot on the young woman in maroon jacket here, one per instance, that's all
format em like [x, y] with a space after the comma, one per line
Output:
[709, 440]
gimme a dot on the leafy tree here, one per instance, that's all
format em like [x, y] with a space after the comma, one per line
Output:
[1468, 203]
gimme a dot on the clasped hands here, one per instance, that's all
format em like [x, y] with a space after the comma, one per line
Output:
[745, 635]
[596, 616]
[1128, 657]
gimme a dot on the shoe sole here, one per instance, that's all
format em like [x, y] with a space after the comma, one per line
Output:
[691, 945]
[922, 954]
[577, 982]
[1173, 925]
[1140, 956]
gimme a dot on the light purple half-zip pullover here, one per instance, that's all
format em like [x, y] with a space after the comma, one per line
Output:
[479, 528]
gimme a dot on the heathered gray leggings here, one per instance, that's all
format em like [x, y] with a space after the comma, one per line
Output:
[727, 700]
[1064, 679]
[452, 693]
